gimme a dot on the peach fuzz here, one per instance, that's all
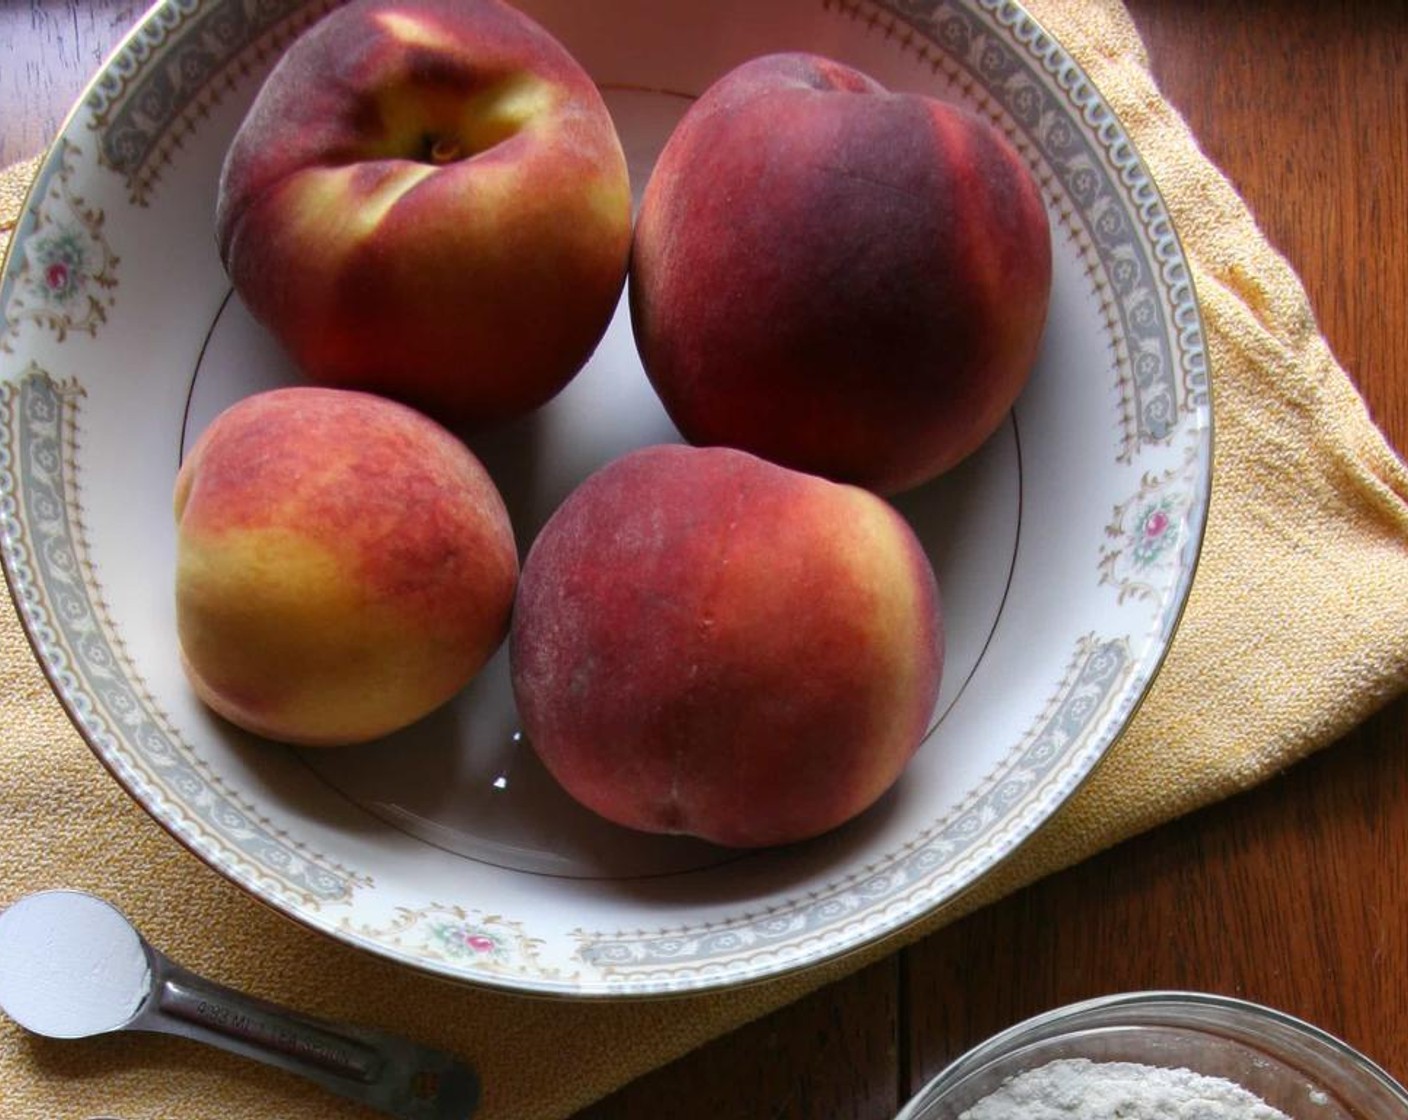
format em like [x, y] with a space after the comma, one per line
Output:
[707, 643]
[429, 200]
[344, 565]
[839, 278]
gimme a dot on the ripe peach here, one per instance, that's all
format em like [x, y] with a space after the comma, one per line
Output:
[429, 200]
[344, 565]
[708, 643]
[839, 278]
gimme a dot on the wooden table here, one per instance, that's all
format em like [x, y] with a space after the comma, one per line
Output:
[1295, 894]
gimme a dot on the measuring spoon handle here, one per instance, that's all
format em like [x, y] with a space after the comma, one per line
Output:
[383, 1071]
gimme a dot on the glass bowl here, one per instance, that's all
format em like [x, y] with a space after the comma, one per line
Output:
[1290, 1065]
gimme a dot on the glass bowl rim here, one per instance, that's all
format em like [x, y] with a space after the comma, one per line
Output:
[1045, 1025]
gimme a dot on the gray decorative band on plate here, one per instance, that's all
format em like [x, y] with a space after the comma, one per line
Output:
[1099, 669]
[159, 76]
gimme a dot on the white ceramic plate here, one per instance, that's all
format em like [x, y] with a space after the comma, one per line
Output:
[1065, 547]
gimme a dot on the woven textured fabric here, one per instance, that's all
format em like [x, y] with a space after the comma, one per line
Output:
[1297, 628]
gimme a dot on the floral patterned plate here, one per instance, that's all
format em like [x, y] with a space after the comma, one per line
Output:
[1065, 548]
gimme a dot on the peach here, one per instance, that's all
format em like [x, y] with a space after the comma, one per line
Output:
[344, 565]
[707, 643]
[842, 279]
[429, 200]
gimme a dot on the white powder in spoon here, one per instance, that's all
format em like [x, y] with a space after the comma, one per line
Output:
[70, 965]
[1080, 1088]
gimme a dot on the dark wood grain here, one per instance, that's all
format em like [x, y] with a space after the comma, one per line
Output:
[49, 50]
[1286, 895]
[1291, 894]
[1304, 105]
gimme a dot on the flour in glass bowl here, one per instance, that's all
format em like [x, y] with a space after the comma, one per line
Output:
[1081, 1089]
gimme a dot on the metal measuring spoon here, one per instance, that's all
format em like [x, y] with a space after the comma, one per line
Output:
[71, 965]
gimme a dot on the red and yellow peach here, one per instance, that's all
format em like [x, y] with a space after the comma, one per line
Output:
[344, 565]
[839, 278]
[429, 200]
[707, 643]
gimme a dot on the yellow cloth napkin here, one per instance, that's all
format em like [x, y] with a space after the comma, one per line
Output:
[1297, 629]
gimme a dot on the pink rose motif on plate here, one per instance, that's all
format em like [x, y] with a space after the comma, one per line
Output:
[68, 276]
[463, 940]
[60, 258]
[1146, 534]
[1156, 531]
